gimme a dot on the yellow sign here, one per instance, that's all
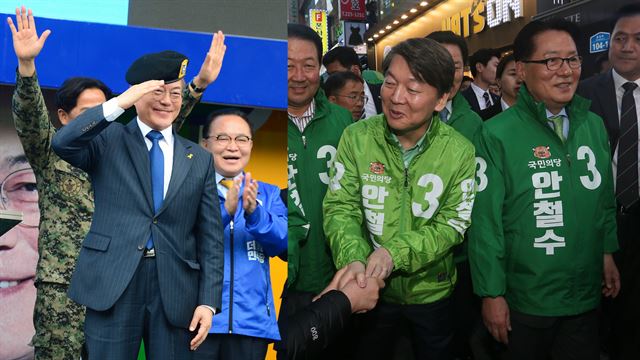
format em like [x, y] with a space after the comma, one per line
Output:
[318, 22]
[472, 20]
[460, 22]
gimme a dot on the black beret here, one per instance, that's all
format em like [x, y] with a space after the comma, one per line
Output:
[168, 65]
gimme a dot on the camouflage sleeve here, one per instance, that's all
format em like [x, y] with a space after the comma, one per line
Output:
[189, 101]
[31, 119]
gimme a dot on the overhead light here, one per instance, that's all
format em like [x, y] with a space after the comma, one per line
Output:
[381, 12]
[370, 39]
[381, 31]
[388, 27]
[404, 16]
[413, 10]
[375, 35]
[396, 22]
[424, 3]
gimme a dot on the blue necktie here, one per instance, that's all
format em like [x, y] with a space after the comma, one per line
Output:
[157, 174]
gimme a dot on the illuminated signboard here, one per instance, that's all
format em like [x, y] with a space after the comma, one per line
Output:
[472, 19]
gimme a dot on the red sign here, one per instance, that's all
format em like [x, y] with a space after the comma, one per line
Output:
[352, 10]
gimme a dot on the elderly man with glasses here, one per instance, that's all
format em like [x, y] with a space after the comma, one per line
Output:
[544, 223]
[255, 228]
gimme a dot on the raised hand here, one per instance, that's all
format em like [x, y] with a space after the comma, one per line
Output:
[135, 92]
[26, 43]
[249, 194]
[212, 64]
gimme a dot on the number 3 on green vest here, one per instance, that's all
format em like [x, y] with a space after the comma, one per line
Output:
[431, 197]
[591, 183]
[323, 151]
[481, 177]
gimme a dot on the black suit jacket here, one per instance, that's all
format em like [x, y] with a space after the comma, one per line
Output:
[187, 231]
[473, 101]
[601, 90]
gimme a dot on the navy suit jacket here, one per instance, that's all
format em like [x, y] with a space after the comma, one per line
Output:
[187, 231]
[600, 89]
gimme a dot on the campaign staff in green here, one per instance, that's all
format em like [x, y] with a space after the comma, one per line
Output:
[399, 199]
[544, 222]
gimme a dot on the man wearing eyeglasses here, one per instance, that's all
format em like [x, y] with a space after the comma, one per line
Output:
[255, 222]
[544, 222]
[155, 245]
[344, 58]
[65, 192]
[314, 129]
[346, 89]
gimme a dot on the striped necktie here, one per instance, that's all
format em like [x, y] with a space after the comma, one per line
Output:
[487, 100]
[627, 173]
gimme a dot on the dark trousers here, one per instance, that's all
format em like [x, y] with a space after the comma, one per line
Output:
[138, 314]
[292, 302]
[466, 314]
[625, 309]
[553, 338]
[430, 330]
[232, 347]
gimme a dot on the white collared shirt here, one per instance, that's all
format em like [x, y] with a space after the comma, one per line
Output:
[303, 120]
[618, 81]
[370, 105]
[111, 111]
[504, 104]
[479, 95]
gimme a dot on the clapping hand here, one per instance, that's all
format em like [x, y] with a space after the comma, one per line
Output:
[249, 194]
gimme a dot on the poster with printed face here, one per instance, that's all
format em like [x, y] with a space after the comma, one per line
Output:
[18, 246]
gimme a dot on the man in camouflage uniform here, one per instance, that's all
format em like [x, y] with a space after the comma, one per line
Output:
[65, 195]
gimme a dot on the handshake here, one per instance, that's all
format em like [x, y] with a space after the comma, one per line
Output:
[362, 285]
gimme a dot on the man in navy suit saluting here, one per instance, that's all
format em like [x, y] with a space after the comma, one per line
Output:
[154, 252]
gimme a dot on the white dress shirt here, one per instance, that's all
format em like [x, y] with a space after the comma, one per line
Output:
[480, 95]
[370, 105]
[504, 105]
[111, 111]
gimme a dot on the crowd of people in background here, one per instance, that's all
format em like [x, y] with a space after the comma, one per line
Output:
[540, 167]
